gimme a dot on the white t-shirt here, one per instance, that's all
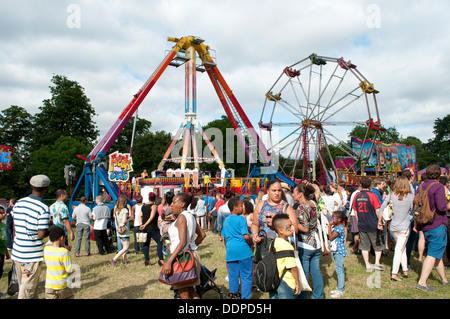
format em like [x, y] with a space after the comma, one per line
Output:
[100, 224]
[137, 213]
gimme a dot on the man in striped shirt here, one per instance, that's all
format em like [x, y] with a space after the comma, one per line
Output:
[31, 221]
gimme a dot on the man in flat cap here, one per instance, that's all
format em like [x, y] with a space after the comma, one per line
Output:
[31, 224]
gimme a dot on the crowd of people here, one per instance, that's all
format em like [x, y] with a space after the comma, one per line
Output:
[309, 219]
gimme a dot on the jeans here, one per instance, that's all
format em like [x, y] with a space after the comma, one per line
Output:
[242, 269]
[310, 261]
[412, 240]
[400, 258]
[214, 224]
[83, 231]
[138, 247]
[156, 235]
[340, 273]
[283, 292]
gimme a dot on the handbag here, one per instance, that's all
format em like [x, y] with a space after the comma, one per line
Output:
[13, 282]
[183, 270]
[388, 211]
[141, 237]
[304, 285]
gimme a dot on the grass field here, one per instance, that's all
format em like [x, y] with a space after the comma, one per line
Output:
[99, 280]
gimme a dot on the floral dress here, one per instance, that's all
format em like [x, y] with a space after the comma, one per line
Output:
[119, 218]
[268, 211]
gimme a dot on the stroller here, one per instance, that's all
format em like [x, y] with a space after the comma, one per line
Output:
[207, 277]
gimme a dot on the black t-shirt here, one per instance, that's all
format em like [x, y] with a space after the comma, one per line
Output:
[146, 212]
[365, 204]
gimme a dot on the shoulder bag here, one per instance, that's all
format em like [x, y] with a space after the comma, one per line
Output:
[388, 211]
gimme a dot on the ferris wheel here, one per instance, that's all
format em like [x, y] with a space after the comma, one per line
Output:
[316, 102]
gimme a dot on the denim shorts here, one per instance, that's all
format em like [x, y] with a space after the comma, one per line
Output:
[436, 239]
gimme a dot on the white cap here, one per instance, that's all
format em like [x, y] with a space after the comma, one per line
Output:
[40, 181]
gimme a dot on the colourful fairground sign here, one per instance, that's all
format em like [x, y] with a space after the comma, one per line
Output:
[6, 153]
[120, 167]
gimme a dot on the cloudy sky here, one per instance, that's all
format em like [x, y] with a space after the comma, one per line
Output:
[112, 47]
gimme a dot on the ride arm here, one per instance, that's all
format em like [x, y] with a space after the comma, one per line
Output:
[105, 143]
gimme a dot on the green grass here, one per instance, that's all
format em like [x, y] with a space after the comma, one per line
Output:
[99, 280]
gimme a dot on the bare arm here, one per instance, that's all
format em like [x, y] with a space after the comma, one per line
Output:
[293, 217]
[255, 223]
[200, 234]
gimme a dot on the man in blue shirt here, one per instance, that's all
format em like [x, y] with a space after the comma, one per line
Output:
[378, 186]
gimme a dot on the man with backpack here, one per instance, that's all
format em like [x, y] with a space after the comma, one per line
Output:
[435, 230]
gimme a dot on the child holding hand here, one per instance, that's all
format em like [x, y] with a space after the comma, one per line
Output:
[289, 285]
[337, 234]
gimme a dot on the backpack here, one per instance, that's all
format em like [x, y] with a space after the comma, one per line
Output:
[422, 212]
[266, 272]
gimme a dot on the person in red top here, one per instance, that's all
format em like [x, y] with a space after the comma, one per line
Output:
[370, 225]
[213, 213]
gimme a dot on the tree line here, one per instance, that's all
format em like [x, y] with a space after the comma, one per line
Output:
[64, 127]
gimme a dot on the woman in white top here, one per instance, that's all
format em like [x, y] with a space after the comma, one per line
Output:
[331, 202]
[402, 199]
[337, 195]
[182, 233]
[136, 214]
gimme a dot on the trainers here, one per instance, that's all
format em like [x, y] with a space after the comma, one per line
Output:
[112, 261]
[338, 294]
[425, 288]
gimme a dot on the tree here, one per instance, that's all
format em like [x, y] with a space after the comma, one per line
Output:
[391, 135]
[123, 141]
[424, 157]
[234, 161]
[51, 159]
[15, 131]
[440, 144]
[67, 113]
[149, 150]
[16, 128]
